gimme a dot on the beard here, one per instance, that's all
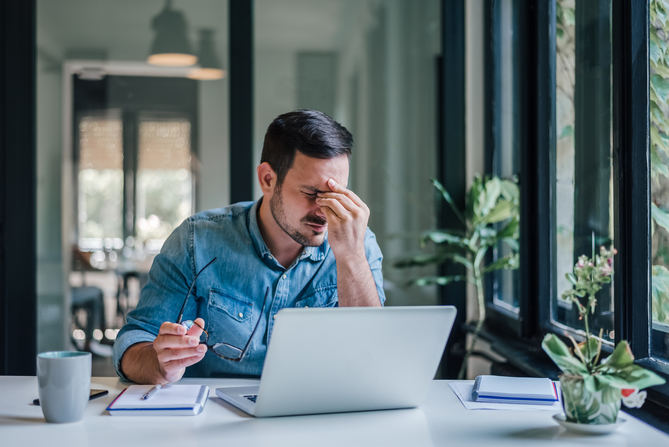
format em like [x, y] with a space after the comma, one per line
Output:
[307, 238]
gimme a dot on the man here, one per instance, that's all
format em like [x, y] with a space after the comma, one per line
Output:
[305, 243]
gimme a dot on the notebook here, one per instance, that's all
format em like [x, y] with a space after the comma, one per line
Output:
[516, 390]
[169, 400]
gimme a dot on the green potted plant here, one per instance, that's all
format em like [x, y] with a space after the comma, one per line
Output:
[592, 387]
[490, 217]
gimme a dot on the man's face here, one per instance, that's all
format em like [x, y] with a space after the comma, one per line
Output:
[293, 203]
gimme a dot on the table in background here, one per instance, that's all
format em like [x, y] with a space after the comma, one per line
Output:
[442, 420]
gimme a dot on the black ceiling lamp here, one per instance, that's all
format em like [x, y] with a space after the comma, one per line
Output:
[170, 45]
[209, 66]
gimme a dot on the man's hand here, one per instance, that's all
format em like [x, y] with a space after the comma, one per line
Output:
[347, 217]
[177, 348]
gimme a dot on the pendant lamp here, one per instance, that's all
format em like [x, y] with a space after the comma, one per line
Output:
[209, 65]
[170, 44]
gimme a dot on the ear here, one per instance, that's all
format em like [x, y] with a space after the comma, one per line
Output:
[266, 178]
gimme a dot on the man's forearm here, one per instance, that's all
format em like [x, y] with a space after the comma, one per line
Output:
[355, 283]
[140, 364]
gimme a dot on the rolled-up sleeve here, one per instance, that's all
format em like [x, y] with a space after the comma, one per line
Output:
[375, 260]
[161, 298]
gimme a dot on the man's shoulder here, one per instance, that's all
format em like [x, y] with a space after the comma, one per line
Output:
[230, 212]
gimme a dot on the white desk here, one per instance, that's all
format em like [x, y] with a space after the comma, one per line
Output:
[442, 420]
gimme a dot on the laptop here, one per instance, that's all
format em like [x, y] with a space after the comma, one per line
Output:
[344, 359]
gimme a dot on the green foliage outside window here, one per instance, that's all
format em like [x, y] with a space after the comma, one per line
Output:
[658, 51]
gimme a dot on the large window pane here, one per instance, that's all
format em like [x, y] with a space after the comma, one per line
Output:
[583, 149]
[507, 112]
[659, 141]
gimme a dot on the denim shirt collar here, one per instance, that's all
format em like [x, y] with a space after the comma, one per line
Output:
[312, 253]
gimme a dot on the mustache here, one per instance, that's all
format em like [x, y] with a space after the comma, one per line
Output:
[315, 220]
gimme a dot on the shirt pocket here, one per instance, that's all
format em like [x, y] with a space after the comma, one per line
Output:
[230, 318]
[325, 296]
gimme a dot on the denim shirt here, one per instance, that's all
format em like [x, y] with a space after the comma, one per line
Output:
[229, 294]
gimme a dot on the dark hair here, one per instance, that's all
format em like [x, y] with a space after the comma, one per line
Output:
[311, 132]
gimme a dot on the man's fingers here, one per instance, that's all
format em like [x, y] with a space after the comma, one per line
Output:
[182, 363]
[168, 328]
[335, 207]
[197, 328]
[168, 355]
[163, 341]
[351, 206]
[336, 187]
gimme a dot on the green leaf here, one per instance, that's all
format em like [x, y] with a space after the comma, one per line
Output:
[559, 353]
[445, 237]
[566, 131]
[620, 357]
[510, 230]
[440, 280]
[502, 211]
[508, 262]
[654, 49]
[512, 243]
[660, 216]
[632, 376]
[436, 258]
[447, 197]
[660, 293]
[657, 166]
[509, 190]
[594, 348]
[568, 15]
[660, 85]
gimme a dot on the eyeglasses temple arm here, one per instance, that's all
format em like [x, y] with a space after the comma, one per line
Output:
[190, 289]
[257, 323]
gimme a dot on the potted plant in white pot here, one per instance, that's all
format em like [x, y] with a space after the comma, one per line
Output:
[592, 387]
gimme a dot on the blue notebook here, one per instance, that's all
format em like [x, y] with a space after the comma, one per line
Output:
[171, 400]
[515, 390]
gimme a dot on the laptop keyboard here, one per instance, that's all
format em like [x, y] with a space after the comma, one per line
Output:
[251, 397]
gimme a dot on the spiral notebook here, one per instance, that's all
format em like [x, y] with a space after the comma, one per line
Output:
[171, 400]
[517, 390]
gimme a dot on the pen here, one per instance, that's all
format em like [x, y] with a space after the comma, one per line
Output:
[151, 392]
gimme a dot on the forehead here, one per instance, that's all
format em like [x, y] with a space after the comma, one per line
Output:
[315, 172]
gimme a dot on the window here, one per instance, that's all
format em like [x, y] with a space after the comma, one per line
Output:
[135, 168]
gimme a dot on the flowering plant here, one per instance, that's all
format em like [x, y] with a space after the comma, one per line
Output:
[614, 377]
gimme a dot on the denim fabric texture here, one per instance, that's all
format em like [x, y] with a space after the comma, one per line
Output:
[229, 294]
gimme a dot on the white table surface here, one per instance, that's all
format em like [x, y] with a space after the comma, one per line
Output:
[441, 420]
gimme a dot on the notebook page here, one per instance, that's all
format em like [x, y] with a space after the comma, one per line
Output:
[167, 396]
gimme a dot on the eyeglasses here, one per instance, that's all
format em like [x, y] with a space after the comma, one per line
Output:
[225, 351]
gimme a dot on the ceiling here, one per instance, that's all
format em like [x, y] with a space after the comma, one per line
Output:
[120, 29]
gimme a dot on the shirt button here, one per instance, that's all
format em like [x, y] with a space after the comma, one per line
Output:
[241, 315]
[274, 317]
[284, 276]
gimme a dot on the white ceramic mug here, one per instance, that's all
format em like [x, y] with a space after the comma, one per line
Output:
[64, 380]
